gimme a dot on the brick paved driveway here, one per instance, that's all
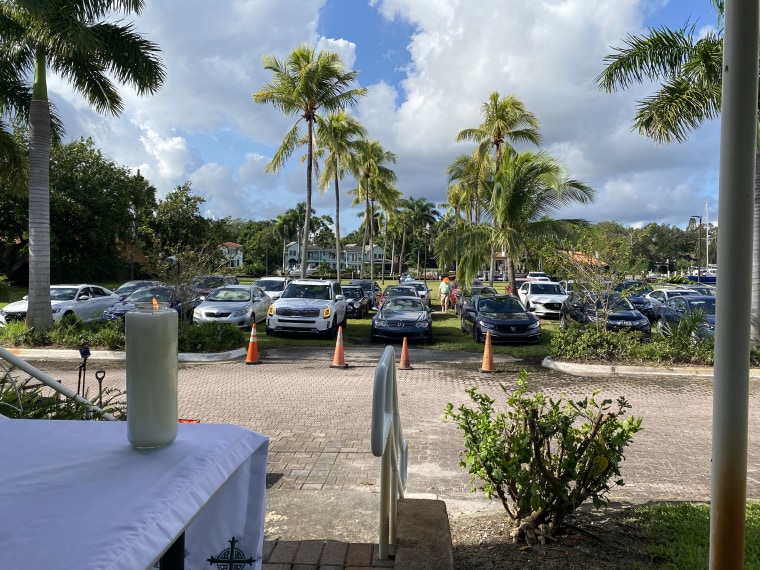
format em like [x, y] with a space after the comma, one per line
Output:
[318, 419]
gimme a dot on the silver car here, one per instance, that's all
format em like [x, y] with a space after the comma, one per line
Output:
[84, 300]
[273, 286]
[240, 305]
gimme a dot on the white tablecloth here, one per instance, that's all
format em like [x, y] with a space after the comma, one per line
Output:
[75, 494]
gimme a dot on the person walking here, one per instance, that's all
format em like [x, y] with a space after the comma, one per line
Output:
[444, 290]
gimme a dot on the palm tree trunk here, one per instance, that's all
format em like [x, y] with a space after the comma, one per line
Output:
[755, 307]
[372, 240]
[401, 253]
[337, 229]
[307, 216]
[39, 314]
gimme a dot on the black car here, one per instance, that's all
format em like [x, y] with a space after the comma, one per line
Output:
[357, 303]
[181, 298]
[402, 317]
[204, 284]
[503, 316]
[371, 289]
[126, 289]
[608, 307]
[462, 298]
[676, 308]
[635, 292]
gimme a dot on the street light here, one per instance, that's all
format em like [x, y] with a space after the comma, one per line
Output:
[699, 247]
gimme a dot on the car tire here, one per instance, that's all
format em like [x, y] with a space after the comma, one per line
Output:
[475, 333]
[461, 324]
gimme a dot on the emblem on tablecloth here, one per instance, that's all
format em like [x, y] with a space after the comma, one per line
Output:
[231, 558]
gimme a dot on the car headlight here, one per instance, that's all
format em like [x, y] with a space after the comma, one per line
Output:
[535, 325]
[380, 323]
[270, 310]
[421, 324]
[326, 312]
[240, 313]
[486, 324]
[197, 313]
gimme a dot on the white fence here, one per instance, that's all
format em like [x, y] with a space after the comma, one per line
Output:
[388, 442]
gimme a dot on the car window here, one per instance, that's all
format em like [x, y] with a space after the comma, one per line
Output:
[707, 306]
[352, 292]
[63, 293]
[227, 294]
[546, 289]
[270, 284]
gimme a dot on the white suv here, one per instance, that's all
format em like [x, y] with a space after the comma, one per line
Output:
[308, 305]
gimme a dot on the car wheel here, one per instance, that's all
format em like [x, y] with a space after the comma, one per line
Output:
[562, 321]
[475, 333]
[461, 324]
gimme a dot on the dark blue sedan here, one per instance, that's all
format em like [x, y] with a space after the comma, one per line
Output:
[676, 308]
[503, 316]
[402, 317]
[180, 298]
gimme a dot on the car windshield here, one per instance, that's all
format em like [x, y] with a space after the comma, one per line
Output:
[634, 288]
[614, 303]
[147, 294]
[403, 305]
[211, 282]
[707, 306]
[230, 295]
[63, 293]
[270, 284]
[500, 305]
[547, 289]
[351, 292]
[302, 291]
[419, 286]
[400, 291]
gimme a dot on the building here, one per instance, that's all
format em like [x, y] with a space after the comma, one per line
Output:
[351, 257]
[233, 254]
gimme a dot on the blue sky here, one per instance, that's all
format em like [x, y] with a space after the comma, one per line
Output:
[428, 67]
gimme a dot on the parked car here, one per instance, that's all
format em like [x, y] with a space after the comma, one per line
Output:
[273, 286]
[240, 305]
[702, 289]
[636, 292]
[85, 301]
[676, 308]
[308, 305]
[204, 284]
[372, 290]
[503, 316]
[182, 298]
[423, 291]
[537, 276]
[402, 317]
[126, 289]
[658, 297]
[610, 307]
[398, 291]
[543, 297]
[462, 298]
[357, 302]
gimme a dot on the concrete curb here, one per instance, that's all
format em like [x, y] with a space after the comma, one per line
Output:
[581, 369]
[119, 355]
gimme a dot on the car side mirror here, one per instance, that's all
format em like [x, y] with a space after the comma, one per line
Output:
[83, 297]
[531, 309]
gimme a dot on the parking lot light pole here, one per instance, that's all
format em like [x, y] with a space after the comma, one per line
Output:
[699, 247]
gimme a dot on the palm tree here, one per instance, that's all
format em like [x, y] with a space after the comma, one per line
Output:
[690, 71]
[338, 134]
[421, 214]
[306, 83]
[375, 182]
[71, 38]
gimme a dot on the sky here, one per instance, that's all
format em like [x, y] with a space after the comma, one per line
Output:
[428, 67]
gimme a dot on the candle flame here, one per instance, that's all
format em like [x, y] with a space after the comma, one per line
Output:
[155, 305]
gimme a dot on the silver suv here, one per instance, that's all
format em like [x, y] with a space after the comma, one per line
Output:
[308, 305]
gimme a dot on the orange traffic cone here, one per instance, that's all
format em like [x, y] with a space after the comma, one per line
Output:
[404, 360]
[487, 365]
[338, 359]
[253, 348]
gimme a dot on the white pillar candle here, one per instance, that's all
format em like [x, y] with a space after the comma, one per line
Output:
[151, 347]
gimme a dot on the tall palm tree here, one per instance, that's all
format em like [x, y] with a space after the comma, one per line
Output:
[306, 83]
[690, 71]
[375, 178]
[338, 134]
[421, 215]
[73, 39]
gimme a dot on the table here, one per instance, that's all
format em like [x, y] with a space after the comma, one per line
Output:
[75, 494]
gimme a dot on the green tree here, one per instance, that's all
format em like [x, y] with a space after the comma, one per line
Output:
[338, 135]
[306, 83]
[177, 224]
[72, 38]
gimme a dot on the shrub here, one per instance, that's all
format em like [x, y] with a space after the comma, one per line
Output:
[211, 337]
[542, 457]
[593, 343]
[5, 289]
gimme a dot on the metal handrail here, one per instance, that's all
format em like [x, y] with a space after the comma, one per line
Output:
[52, 383]
[388, 442]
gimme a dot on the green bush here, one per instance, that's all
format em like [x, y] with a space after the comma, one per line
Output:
[211, 337]
[541, 457]
[5, 289]
[589, 343]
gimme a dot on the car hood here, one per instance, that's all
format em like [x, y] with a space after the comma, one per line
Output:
[507, 318]
[120, 308]
[625, 316]
[22, 306]
[273, 294]
[223, 305]
[303, 303]
[403, 316]
[542, 298]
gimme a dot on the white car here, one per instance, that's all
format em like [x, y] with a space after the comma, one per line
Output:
[239, 305]
[544, 298]
[423, 291]
[537, 276]
[308, 305]
[85, 301]
[273, 286]
[659, 297]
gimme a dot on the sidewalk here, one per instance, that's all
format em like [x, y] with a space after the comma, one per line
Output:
[323, 481]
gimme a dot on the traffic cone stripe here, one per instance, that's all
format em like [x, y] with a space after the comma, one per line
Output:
[339, 359]
[253, 348]
[404, 363]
